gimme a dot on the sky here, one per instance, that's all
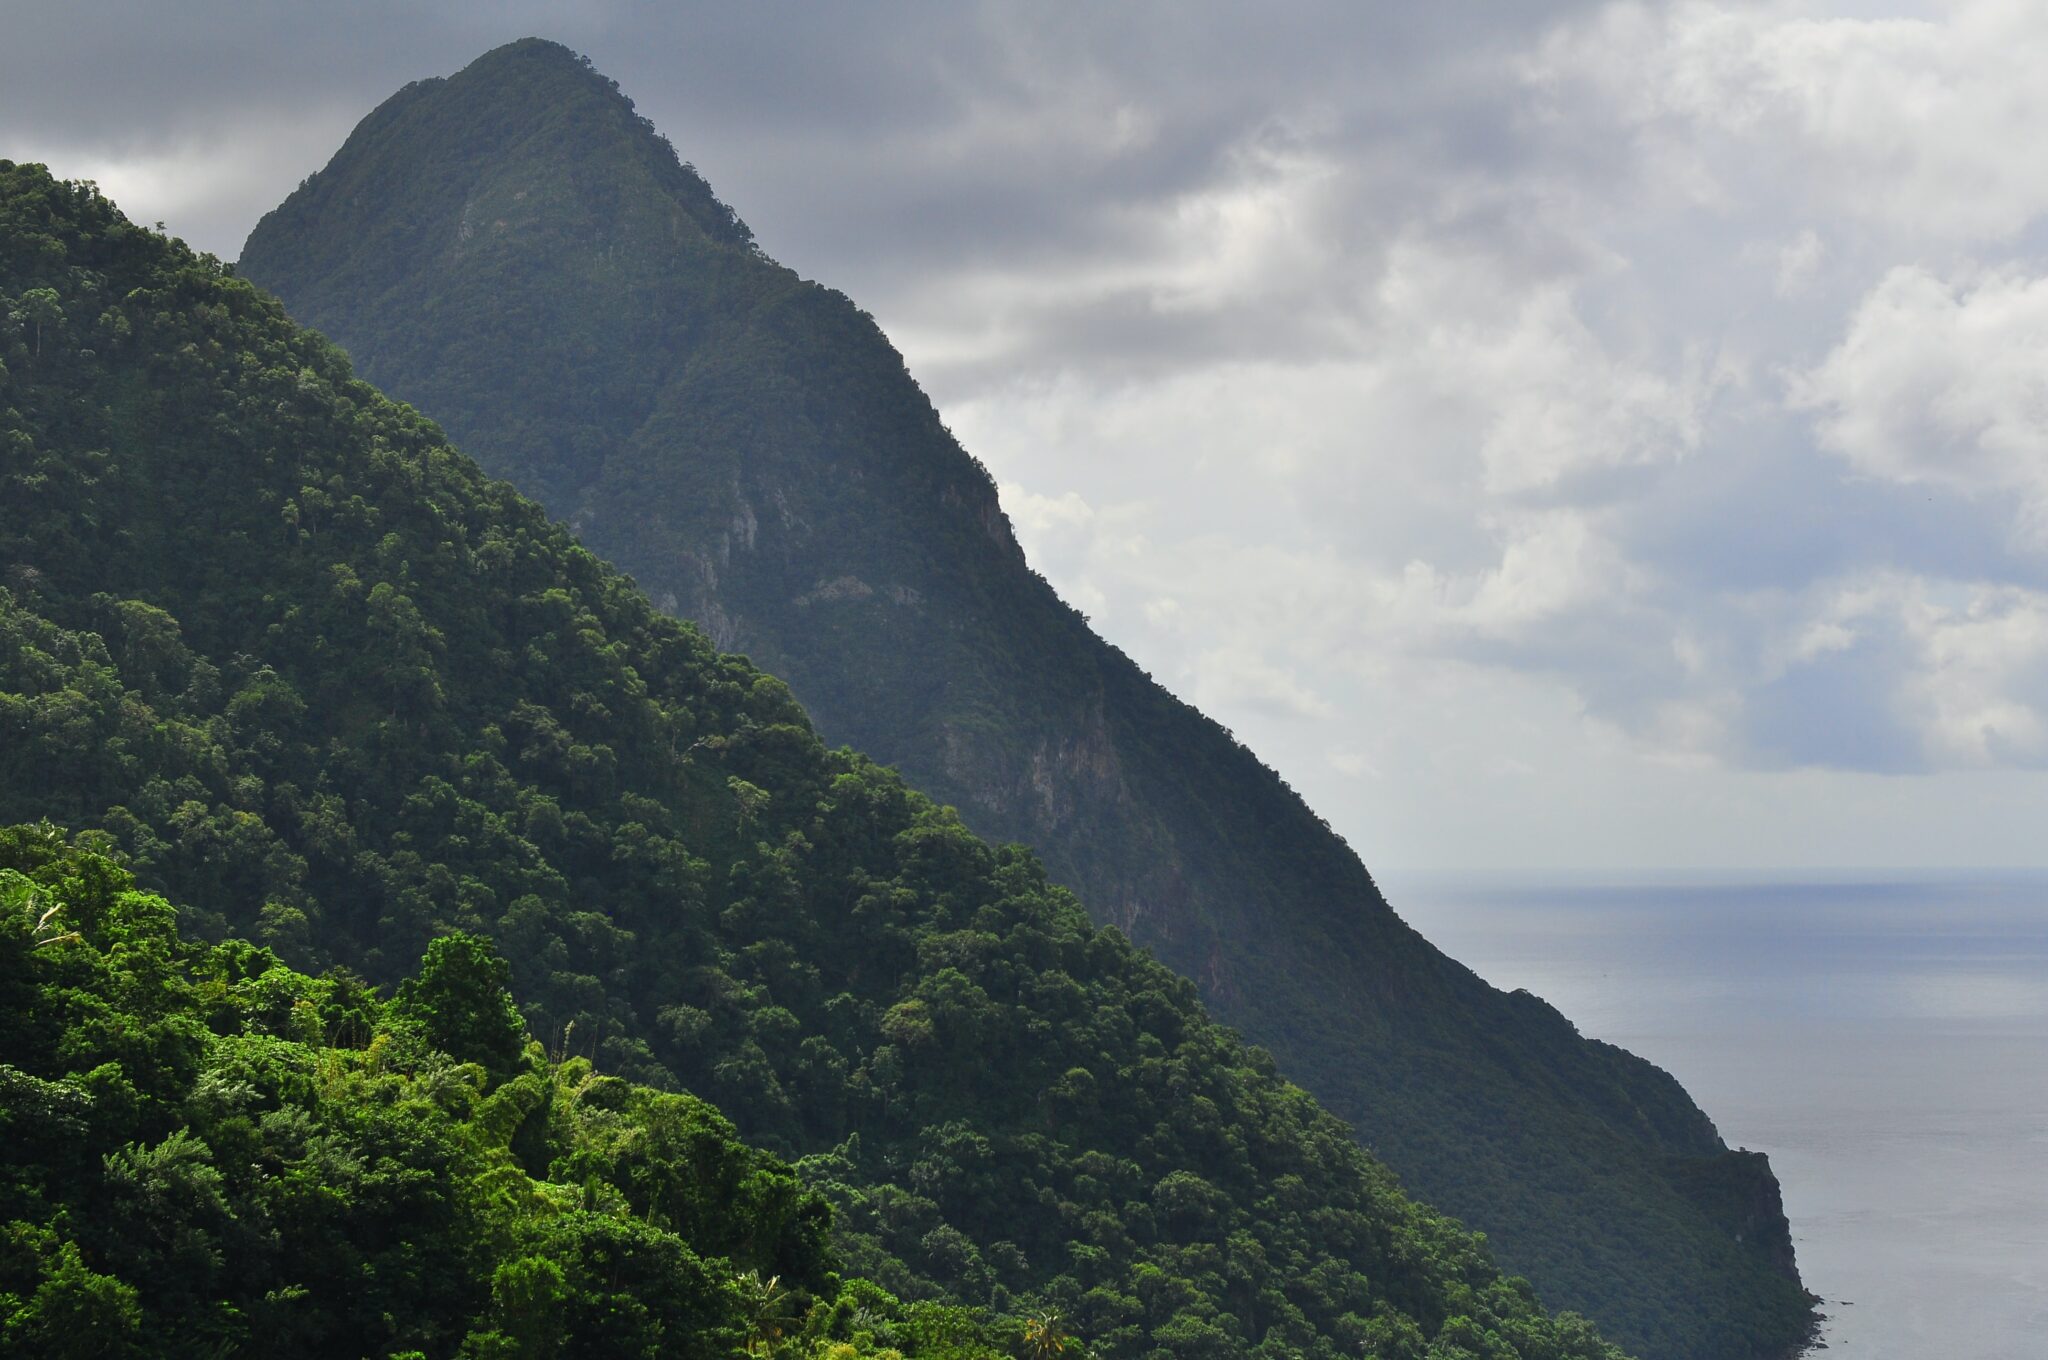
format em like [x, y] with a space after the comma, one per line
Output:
[1606, 436]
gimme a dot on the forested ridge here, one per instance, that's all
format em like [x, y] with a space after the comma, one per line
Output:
[271, 644]
[516, 251]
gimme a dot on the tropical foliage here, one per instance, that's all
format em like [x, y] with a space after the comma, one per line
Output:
[206, 1153]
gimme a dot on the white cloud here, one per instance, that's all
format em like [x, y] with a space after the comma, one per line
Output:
[1958, 671]
[1551, 400]
[1035, 514]
[1352, 764]
[1980, 690]
[1554, 565]
[1798, 261]
[1925, 122]
[1945, 383]
[1235, 677]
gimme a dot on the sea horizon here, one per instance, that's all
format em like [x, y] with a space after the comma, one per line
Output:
[1878, 1037]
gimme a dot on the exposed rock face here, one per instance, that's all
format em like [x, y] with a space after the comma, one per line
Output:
[1067, 772]
[838, 588]
[751, 449]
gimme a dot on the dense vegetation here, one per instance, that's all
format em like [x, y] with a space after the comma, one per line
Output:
[206, 1153]
[302, 667]
[513, 250]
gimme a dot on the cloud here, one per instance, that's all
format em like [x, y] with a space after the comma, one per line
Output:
[1909, 675]
[1798, 261]
[1043, 515]
[1944, 383]
[189, 182]
[1551, 401]
[1615, 427]
[1981, 686]
[1230, 678]
[1913, 120]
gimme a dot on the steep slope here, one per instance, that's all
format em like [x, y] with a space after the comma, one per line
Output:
[264, 634]
[516, 252]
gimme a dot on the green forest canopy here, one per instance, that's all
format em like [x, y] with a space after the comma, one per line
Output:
[203, 1152]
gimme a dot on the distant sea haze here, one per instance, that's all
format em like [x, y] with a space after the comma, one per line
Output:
[1885, 1041]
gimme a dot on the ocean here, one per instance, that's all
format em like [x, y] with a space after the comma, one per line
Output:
[1884, 1039]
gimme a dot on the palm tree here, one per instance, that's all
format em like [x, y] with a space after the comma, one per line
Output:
[771, 1311]
[1047, 1338]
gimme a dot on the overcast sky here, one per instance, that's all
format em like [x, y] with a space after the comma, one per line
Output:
[1563, 435]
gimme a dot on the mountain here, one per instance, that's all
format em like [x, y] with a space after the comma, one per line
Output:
[296, 664]
[519, 254]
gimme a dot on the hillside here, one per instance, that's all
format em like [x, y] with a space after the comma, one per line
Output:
[302, 668]
[521, 256]
[207, 1153]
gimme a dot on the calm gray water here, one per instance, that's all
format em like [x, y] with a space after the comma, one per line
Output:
[1885, 1042]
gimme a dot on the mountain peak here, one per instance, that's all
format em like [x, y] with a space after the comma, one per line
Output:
[527, 173]
[548, 79]
[528, 143]
[535, 52]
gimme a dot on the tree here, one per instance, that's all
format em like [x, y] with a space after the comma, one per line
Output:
[1046, 1338]
[462, 1002]
[770, 1310]
[74, 1313]
[39, 308]
[751, 799]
